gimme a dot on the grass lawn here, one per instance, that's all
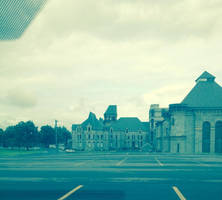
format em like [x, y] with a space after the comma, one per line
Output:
[16, 152]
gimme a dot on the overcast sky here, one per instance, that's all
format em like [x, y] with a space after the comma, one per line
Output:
[79, 56]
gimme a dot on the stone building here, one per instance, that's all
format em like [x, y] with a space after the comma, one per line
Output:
[155, 116]
[195, 124]
[110, 133]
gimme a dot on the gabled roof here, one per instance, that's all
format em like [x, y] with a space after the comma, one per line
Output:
[205, 94]
[130, 123]
[93, 121]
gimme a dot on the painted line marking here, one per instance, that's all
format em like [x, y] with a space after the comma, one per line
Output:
[71, 192]
[79, 164]
[179, 194]
[161, 164]
[202, 164]
[121, 162]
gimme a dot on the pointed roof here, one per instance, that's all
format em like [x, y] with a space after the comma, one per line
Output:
[111, 110]
[205, 94]
[206, 76]
[93, 121]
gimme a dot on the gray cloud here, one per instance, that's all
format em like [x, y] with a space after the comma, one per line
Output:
[80, 56]
[20, 98]
[123, 20]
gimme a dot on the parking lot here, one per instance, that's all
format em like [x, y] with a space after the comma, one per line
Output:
[96, 176]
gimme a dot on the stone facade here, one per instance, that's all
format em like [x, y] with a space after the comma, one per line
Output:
[194, 125]
[127, 133]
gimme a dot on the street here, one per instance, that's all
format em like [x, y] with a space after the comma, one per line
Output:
[97, 176]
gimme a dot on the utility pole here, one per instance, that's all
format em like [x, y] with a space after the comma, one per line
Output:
[56, 135]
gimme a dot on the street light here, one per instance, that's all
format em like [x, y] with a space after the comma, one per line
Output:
[56, 136]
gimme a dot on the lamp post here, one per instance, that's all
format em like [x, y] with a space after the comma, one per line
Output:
[56, 135]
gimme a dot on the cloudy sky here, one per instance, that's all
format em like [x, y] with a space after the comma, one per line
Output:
[80, 56]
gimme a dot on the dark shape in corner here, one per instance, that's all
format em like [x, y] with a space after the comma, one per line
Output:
[16, 16]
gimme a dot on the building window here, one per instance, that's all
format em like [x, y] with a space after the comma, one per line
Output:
[101, 137]
[111, 130]
[89, 129]
[172, 121]
[152, 113]
[127, 130]
[152, 123]
[167, 132]
[178, 148]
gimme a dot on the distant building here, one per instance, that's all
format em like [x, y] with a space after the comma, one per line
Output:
[156, 115]
[110, 133]
[192, 126]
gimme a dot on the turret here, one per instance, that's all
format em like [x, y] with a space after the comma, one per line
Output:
[111, 114]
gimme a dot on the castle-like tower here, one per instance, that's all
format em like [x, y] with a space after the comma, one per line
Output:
[110, 133]
[111, 114]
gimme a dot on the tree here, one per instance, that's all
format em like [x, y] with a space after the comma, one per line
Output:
[47, 134]
[63, 136]
[9, 137]
[26, 134]
[1, 136]
[31, 136]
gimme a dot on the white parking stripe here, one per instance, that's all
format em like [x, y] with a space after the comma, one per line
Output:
[81, 163]
[71, 192]
[202, 164]
[179, 194]
[161, 164]
[122, 161]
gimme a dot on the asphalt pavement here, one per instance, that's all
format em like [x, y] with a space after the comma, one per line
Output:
[111, 176]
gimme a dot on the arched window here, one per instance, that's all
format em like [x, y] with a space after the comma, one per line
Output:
[218, 137]
[206, 137]
[152, 113]
[152, 123]
[172, 121]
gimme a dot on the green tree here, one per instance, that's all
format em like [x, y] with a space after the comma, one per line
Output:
[9, 137]
[47, 134]
[63, 136]
[1, 136]
[26, 134]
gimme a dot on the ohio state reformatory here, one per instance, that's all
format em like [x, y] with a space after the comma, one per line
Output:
[192, 126]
